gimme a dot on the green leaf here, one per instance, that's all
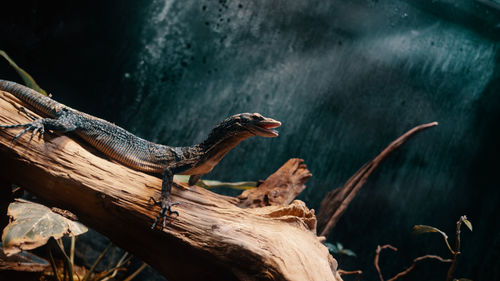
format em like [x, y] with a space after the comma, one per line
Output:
[331, 248]
[210, 184]
[33, 224]
[348, 252]
[28, 80]
[420, 229]
[339, 249]
[467, 223]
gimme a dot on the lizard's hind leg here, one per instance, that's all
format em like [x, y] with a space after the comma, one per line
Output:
[165, 203]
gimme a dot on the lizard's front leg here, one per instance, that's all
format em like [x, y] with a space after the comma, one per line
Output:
[63, 123]
[164, 202]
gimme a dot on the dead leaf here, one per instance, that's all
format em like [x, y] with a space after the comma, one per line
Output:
[33, 224]
[420, 229]
[468, 223]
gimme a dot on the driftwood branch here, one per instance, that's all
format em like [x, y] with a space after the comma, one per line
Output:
[279, 188]
[336, 202]
[212, 239]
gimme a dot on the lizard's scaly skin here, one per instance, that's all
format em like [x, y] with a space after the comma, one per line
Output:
[108, 138]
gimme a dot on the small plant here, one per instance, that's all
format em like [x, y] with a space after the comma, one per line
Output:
[420, 229]
[339, 249]
[68, 271]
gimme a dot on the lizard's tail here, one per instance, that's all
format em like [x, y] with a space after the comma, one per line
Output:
[41, 104]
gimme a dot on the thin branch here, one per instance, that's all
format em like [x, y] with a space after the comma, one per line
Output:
[139, 270]
[377, 254]
[345, 272]
[456, 252]
[406, 271]
[334, 206]
[403, 273]
[72, 250]
[445, 237]
[53, 265]
[120, 262]
[68, 266]
[96, 262]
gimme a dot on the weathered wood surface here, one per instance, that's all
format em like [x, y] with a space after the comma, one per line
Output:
[212, 239]
[279, 188]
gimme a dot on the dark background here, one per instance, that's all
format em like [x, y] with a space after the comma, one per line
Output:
[344, 77]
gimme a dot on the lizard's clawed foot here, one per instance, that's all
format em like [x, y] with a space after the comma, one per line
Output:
[36, 126]
[165, 212]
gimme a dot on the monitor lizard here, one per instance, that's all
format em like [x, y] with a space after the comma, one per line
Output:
[135, 152]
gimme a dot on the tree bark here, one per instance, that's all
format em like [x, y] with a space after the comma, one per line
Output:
[212, 239]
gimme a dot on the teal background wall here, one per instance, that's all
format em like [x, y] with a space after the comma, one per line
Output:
[344, 77]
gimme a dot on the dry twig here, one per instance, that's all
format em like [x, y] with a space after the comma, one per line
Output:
[336, 202]
[377, 254]
[345, 272]
[406, 271]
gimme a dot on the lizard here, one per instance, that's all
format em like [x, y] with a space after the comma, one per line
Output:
[135, 152]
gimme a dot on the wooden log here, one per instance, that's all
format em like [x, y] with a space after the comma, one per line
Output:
[212, 239]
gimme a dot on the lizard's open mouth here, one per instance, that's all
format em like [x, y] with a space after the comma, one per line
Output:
[266, 127]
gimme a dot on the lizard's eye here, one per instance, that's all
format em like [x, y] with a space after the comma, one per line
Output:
[257, 116]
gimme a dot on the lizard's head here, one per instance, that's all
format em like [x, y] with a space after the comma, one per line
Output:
[244, 125]
[256, 124]
[232, 131]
